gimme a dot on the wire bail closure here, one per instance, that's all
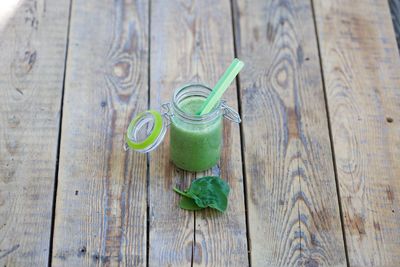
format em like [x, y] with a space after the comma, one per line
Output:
[167, 112]
[229, 113]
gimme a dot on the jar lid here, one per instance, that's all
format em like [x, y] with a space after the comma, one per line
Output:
[146, 131]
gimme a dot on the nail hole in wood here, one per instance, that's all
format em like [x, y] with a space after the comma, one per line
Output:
[307, 58]
[389, 120]
[76, 192]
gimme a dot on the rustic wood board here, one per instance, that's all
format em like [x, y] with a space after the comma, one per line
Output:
[293, 211]
[362, 77]
[32, 52]
[193, 42]
[101, 196]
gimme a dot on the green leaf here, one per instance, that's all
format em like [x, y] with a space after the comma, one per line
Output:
[188, 204]
[210, 181]
[181, 192]
[211, 197]
[219, 201]
[209, 191]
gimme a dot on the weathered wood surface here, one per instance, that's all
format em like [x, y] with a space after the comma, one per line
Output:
[362, 76]
[101, 197]
[193, 42]
[32, 52]
[293, 212]
[118, 208]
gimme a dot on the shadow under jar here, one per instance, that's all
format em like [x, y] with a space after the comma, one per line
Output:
[195, 140]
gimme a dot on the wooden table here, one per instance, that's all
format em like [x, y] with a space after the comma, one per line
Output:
[314, 167]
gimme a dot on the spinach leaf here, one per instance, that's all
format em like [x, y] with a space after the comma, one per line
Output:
[188, 204]
[210, 181]
[209, 191]
[183, 193]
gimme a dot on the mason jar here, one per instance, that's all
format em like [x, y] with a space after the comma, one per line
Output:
[195, 140]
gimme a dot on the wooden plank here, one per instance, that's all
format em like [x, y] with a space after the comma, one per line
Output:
[192, 42]
[33, 37]
[293, 209]
[362, 77]
[395, 11]
[101, 198]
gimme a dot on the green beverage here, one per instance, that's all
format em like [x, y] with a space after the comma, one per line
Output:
[195, 145]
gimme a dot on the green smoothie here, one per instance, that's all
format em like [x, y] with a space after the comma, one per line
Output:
[195, 146]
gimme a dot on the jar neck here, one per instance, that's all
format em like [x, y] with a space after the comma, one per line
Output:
[194, 91]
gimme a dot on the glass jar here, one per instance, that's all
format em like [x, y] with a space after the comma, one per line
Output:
[195, 140]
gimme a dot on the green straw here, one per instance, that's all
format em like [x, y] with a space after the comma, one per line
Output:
[221, 86]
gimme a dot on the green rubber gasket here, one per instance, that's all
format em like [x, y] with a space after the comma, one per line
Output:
[152, 137]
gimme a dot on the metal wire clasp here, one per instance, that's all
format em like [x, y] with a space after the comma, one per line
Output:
[126, 147]
[167, 113]
[230, 113]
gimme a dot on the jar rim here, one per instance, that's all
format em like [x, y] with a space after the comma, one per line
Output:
[215, 112]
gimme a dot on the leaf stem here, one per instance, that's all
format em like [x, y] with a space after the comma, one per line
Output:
[181, 192]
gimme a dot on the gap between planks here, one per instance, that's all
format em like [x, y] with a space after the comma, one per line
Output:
[234, 14]
[330, 132]
[53, 216]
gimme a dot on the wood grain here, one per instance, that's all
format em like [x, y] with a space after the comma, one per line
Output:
[101, 198]
[293, 209]
[362, 76]
[32, 52]
[191, 41]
